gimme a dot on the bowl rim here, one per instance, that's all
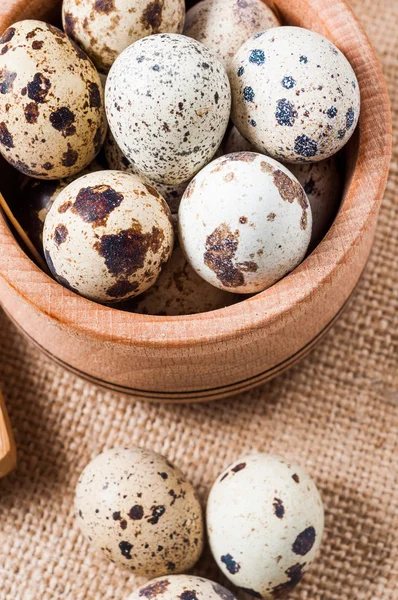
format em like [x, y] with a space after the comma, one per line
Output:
[107, 323]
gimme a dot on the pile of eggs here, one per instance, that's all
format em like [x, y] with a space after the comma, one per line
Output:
[205, 170]
[264, 522]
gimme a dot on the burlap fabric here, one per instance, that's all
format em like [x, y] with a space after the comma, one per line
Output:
[336, 413]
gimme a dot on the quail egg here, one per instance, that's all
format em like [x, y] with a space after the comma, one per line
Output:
[295, 95]
[52, 118]
[107, 236]
[265, 522]
[116, 160]
[224, 25]
[104, 28]
[139, 511]
[168, 103]
[322, 183]
[258, 230]
[184, 587]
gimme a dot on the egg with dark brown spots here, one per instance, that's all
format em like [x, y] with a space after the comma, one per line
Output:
[295, 95]
[322, 182]
[52, 117]
[224, 25]
[168, 103]
[107, 236]
[184, 587]
[139, 511]
[256, 232]
[104, 28]
[264, 539]
[116, 160]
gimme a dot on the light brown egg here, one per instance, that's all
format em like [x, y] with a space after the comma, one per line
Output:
[52, 118]
[224, 25]
[138, 509]
[104, 28]
[107, 236]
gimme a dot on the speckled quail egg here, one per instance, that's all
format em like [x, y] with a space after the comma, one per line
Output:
[295, 95]
[257, 231]
[184, 587]
[34, 199]
[139, 510]
[107, 236]
[180, 291]
[116, 160]
[224, 25]
[52, 118]
[104, 28]
[322, 183]
[168, 103]
[265, 522]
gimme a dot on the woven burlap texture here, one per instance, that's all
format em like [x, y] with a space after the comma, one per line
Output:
[336, 413]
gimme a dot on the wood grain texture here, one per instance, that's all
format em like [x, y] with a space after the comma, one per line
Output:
[8, 451]
[182, 356]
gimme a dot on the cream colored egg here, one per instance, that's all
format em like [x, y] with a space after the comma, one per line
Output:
[295, 95]
[182, 587]
[116, 160]
[256, 232]
[104, 28]
[52, 118]
[168, 104]
[139, 511]
[265, 521]
[224, 25]
[107, 236]
[322, 182]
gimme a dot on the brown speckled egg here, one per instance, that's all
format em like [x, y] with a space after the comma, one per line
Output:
[52, 118]
[107, 236]
[34, 199]
[256, 232]
[322, 183]
[168, 102]
[295, 95]
[224, 25]
[265, 522]
[184, 587]
[116, 160]
[139, 510]
[104, 28]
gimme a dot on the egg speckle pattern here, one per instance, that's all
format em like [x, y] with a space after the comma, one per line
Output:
[104, 28]
[168, 102]
[52, 118]
[265, 539]
[224, 25]
[116, 160]
[184, 587]
[295, 95]
[139, 510]
[257, 231]
[107, 236]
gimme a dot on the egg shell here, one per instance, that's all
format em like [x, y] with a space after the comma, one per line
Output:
[168, 102]
[140, 512]
[265, 521]
[116, 160]
[257, 231]
[184, 587]
[224, 25]
[107, 236]
[52, 117]
[104, 28]
[34, 199]
[322, 182]
[295, 95]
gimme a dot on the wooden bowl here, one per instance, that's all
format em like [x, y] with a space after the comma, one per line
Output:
[217, 354]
